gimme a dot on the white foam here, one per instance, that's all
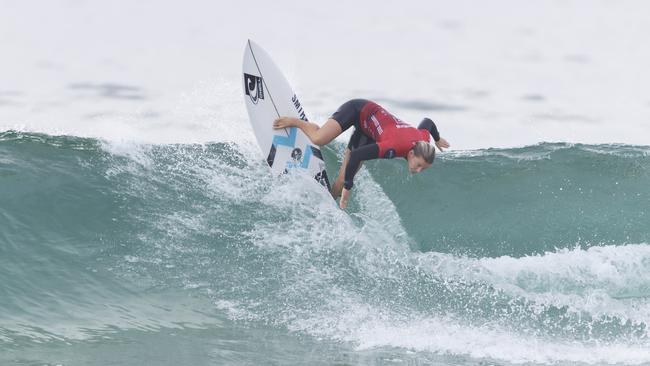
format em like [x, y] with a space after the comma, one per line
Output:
[368, 327]
[448, 337]
[601, 280]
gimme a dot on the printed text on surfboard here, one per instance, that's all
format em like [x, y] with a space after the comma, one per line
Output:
[296, 103]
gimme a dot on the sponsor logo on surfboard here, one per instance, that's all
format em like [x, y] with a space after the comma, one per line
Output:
[254, 87]
[301, 112]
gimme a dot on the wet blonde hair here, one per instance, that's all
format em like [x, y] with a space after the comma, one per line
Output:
[425, 150]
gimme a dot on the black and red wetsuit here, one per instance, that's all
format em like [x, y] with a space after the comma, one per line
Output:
[378, 134]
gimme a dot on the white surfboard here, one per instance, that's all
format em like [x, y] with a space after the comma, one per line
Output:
[268, 95]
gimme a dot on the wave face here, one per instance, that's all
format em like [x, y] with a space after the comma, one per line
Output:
[528, 255]
[527, 201]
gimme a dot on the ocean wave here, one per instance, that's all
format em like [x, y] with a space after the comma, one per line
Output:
[209, 221]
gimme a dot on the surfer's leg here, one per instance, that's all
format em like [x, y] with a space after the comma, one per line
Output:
[318, 135]
[321, 135]
[345, 117]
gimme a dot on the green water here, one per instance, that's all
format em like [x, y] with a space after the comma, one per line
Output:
[197, 255]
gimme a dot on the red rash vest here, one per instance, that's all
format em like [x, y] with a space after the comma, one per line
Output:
[393, 136]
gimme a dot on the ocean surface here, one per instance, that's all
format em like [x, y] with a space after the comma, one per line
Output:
[140, 225]
[195, 254]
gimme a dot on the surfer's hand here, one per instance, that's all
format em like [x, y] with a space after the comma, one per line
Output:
[442, 143]
[345, 196]
[284, 122]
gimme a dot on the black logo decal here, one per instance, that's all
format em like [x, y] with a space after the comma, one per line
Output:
[254, 87]
[296, 154]
[321, 177]
[271, 157]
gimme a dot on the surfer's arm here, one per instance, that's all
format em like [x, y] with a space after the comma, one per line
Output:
[367, 152]
[427, 124]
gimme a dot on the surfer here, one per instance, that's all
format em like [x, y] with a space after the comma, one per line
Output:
[377, 135]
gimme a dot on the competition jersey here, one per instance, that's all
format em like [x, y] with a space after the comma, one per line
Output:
[393, 136]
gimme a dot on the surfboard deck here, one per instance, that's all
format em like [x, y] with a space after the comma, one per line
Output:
[268, 95]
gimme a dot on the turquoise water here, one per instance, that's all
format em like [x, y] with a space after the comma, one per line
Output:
[123, 254]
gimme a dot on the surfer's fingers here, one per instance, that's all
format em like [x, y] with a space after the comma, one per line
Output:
[442, 143]
[279, 123]
[282, 122]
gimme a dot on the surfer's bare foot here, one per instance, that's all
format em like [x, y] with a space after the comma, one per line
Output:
[284, 122]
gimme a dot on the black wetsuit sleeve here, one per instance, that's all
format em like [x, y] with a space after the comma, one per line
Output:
[366, 152]
[428, 124]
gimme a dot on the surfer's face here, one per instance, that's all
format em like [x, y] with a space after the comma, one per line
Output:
[416, 163]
